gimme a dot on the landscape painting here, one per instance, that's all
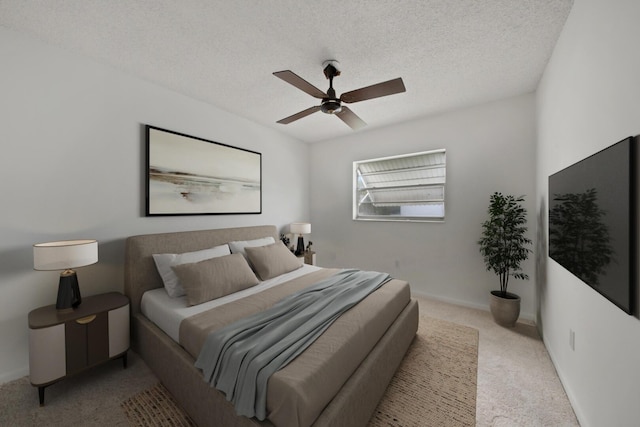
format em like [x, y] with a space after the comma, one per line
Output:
[187, 175]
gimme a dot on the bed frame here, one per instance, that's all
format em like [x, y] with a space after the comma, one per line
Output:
[352, 406]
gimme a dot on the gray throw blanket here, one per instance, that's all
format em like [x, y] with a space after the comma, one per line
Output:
[239, 358]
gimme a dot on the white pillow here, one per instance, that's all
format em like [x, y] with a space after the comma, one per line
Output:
[164, 262]
[238, 246]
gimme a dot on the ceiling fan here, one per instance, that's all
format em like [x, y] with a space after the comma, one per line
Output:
[330, 103]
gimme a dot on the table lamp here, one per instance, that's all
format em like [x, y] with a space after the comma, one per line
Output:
[300, 228]
[66, 255]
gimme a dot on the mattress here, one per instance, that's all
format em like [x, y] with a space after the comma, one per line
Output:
[167, 313]
[299, 392]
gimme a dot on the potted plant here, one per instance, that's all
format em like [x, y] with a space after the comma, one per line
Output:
[503, 246]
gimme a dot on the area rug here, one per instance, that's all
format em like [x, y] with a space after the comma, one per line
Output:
[155, 407]
[435, 385]
[436, 382]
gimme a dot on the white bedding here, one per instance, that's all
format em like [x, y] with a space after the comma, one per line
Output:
[167, 313]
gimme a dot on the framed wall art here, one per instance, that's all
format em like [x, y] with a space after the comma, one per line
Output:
[187, 175]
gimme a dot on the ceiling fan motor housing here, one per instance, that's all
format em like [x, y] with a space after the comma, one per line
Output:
[331, 106]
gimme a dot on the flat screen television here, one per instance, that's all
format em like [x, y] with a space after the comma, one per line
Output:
[592, 222]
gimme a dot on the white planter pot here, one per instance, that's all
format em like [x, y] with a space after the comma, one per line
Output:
[505, 309]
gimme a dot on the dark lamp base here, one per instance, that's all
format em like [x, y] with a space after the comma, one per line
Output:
[300, 246]
[68, 291]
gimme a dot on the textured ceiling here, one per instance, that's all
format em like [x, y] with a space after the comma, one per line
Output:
[450, 53]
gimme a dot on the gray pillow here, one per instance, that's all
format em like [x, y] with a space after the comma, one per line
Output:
[214, 278]
[272, 260]
[164, 262]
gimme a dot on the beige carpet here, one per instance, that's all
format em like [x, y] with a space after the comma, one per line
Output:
[517, 383]
[434, 386]
[91, 398]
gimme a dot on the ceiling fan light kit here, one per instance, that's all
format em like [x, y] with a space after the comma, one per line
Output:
[330, 104]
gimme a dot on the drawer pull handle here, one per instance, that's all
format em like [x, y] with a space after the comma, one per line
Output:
[86, 320]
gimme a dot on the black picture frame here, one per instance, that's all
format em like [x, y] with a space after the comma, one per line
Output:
[187, 175]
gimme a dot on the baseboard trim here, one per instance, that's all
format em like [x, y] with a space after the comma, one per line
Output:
[6, 377]
[577, 410]
[484, 307]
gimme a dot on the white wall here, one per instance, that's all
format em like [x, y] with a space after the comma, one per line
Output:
[72, 167]
[489, 148]
[589, 99]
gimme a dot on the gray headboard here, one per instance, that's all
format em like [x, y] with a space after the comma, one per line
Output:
[140, 273]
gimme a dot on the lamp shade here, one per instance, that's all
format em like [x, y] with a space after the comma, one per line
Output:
[64, 254]
[300, 228]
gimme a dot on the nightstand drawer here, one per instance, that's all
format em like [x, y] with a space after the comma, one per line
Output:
[49, 342]
[87, 342]
[119, 330]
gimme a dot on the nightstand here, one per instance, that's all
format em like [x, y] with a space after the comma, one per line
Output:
[310, 257]
[63, 344]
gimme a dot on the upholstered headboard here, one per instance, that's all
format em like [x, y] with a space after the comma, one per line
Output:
[140, 273]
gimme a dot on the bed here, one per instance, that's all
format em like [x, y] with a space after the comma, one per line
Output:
[351, 404]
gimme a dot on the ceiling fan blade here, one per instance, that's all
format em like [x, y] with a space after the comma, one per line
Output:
[374, 91]
[301, 114]
[350, 118]
[297, 81]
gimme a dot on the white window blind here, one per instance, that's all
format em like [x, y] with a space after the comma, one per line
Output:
[409, 187]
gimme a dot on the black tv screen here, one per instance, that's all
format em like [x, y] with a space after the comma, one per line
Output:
[592, 222]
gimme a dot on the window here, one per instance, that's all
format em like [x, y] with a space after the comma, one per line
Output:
[409, 187]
